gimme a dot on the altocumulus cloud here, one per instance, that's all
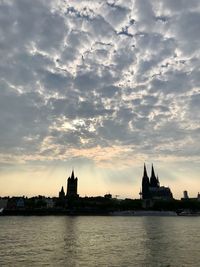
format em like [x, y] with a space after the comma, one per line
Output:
[115, 76]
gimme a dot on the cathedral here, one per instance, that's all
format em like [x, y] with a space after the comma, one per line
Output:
[151, 188]
[72, 183]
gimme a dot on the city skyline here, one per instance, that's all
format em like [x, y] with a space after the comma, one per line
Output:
[101, 86]
[152, 177]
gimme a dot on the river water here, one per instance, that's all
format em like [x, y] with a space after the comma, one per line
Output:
[99, 241]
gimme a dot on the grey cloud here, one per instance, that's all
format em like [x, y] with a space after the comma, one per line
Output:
[174, 82]
[75, 41]
[77, 109]
[155, 48]
[31, 22]
[23, 121]
[186, 29]
[56, 82]
[122, 59]
[113, 131]
[193, 107]
[109, 91]
[128, 72]
[145, 13]
[116, 15]
[177, 5]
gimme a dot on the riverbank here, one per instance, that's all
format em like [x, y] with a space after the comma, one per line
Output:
[65, 212]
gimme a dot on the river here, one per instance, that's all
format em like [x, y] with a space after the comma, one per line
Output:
[101, 241]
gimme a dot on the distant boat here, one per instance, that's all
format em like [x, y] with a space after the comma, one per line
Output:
[189, 213]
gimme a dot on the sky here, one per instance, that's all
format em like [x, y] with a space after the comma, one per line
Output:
[102, 87]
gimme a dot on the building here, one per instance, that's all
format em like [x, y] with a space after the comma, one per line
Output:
[3, 203]
[108, 196]
[49, 202]
[62, 193]
[20, 203]
[186, 197]
[72, 184]
[151, 188]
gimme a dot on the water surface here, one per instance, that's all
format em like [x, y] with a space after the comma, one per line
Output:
[99, 241]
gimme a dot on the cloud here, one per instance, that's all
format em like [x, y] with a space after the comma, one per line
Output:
[78, 75]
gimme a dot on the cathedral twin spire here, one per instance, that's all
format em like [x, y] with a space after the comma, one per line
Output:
[145, 171]
[153, 181]
[151, 188]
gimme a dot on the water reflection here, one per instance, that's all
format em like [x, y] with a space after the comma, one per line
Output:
[71, 240]
[99, 241]
[168, 241]
[156, 240]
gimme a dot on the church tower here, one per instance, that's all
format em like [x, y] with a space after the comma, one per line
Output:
[72, 183]
[145, 184]
[158, 182]
[62, 193]
[151, 189]
[153, 180]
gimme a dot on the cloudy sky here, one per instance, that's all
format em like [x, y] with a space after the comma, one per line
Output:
[99, 86]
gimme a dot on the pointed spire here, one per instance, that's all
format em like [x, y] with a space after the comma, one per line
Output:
[72, 184]
[145, 171]
[152, 172]
[145, 184]
[158, 182]
[145, 178]
[62, 193]
[153, 180]
[72, 176]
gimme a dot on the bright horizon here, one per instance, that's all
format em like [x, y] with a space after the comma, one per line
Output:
[101, 87]
[121, 183]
